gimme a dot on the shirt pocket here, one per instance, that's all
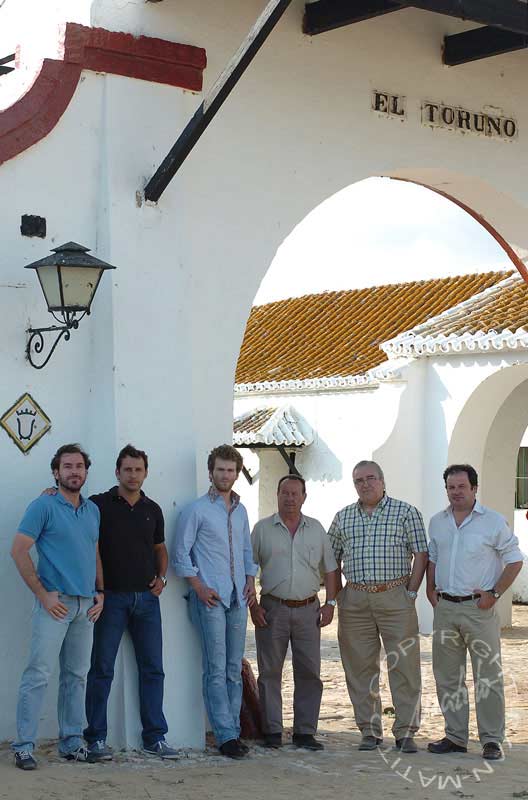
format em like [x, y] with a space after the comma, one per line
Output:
[314, 557]
[475, 549]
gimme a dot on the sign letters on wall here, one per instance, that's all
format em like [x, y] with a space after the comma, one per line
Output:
[453, 118]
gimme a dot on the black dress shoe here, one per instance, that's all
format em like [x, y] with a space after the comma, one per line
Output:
[243, 747]
[492, 751]
[273, 740]
[307, 741]
[369, 743]
[445, 745]
[231, 749]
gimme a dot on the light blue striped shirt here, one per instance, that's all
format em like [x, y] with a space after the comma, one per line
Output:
[214, 545]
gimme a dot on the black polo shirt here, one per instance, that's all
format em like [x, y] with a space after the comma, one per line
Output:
[127, 535]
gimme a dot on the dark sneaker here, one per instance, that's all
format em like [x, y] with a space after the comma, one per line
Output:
[24, 760]
[406, 745]
[162, 750]
[231, 749]
[369, 743]
[81, 754]
[444, 746]
[273, 740]
[307, 741]
[99, 751]
[492, 751]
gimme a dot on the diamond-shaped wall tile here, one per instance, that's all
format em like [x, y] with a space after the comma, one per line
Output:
[25, 422]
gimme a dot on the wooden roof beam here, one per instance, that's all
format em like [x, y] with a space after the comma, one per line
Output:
[215, 98]
[461, 48]
[511, 15]
[327, 15]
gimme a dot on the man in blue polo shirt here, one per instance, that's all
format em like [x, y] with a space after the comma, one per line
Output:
[65, 529]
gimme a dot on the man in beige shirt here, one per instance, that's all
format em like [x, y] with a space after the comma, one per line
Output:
[292, 551]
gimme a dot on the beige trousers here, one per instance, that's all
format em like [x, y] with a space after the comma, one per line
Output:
[364, 619]
[459, 628]
[298, 627]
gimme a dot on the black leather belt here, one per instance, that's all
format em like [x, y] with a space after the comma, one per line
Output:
[457, 598]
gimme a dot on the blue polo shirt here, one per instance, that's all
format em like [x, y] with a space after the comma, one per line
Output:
[66, 539]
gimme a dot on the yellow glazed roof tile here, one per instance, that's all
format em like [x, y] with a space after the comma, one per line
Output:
[339, 333]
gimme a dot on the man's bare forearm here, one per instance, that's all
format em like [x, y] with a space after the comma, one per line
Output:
[331, 585]
[99, 578]
[418, 570]
[508, 576]
[162, 560]
[27, 571]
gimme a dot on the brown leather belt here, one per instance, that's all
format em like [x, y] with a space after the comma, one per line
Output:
[293, 603]
[378, 587]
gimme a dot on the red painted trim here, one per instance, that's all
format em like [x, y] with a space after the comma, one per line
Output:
[508, 249]
[36, 113]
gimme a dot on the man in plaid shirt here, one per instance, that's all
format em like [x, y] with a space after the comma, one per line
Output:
[382, 547]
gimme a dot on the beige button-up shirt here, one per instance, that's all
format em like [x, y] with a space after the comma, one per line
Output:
[291, 566]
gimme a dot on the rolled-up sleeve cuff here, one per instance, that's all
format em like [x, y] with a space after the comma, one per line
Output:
[184, 571]
[513, 557]
[251, 569]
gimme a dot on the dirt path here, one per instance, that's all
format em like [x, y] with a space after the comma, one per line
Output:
[291, 773]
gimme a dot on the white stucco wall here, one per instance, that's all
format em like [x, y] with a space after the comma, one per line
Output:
[155, 363]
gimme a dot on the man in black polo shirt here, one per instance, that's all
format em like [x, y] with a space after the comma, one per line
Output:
[134, 558]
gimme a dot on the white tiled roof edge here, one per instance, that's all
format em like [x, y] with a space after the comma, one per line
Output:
[370, 379]
[425, 339]
[285, 427]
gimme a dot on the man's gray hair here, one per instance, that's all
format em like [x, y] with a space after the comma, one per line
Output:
[372, 464]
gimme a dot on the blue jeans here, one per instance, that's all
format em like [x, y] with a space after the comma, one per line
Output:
[140, 612]
[68, 641]
[222, 634]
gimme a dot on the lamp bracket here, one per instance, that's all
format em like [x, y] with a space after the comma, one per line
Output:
[36, 343]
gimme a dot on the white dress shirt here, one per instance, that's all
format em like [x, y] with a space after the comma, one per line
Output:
[473, 555]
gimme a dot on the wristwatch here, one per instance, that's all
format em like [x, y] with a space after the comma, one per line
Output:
[413, 595]
[163, 579]
[495, 593]
[332, 603]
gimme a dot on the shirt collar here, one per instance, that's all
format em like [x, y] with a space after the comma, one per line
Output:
[381, 505]
[62, 499]
[277, 520]
[478, 508]
[213, 496]
[114, 493]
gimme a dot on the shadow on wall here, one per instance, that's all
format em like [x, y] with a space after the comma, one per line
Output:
[319, 463]
[417, 445]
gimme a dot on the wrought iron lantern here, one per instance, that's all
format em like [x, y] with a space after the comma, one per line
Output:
[69, 279]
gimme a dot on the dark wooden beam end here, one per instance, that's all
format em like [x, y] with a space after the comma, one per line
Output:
[461, 48]
[511, 15]
[327, 15]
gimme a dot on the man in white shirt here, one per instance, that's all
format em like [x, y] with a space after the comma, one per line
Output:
[473, 558]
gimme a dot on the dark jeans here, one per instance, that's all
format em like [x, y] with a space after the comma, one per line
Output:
[140, 612]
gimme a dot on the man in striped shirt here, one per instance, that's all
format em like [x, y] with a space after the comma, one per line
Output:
[382, 547]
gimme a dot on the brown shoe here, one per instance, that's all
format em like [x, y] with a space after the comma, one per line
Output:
[492, 751]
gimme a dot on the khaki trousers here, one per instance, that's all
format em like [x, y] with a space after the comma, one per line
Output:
[459, 627]
[298, 626]
[364, 617]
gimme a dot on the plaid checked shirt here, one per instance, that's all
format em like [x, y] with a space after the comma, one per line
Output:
[377, 548]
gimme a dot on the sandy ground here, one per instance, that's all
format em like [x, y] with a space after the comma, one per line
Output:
[339, 769]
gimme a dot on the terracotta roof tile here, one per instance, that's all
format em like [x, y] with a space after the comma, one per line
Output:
[339, 333]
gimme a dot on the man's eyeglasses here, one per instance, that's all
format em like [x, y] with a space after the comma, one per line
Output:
[366, 481]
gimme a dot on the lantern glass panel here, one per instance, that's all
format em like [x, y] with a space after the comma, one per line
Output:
[49, 280]
[79, 285]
